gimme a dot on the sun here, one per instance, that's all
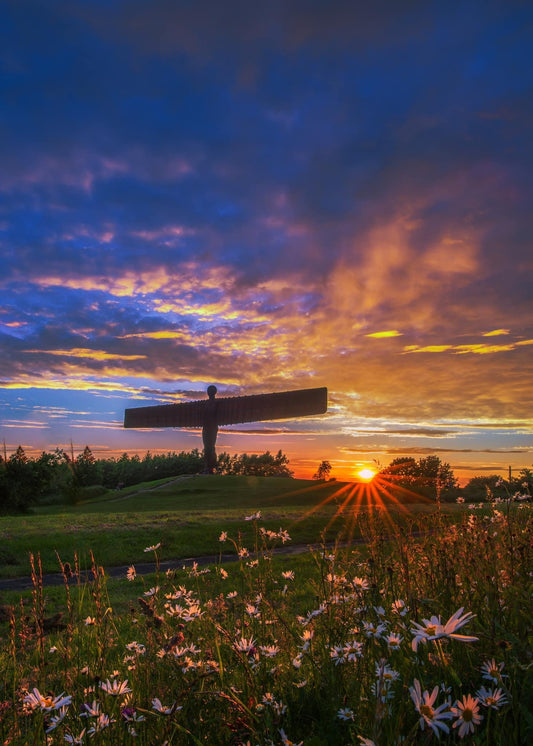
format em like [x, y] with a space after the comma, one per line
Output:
[366, 474]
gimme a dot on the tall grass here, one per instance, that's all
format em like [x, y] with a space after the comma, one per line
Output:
[396, 641]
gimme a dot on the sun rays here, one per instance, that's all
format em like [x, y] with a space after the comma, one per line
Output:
[375, 496]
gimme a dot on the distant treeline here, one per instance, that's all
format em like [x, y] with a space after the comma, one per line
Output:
[62, 477]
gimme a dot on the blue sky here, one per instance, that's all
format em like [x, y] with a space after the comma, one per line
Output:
[265, 197]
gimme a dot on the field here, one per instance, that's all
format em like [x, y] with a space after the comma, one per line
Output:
[400, 625]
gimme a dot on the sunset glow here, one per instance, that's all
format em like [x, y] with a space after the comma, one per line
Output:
[299, 197]
[366, 474]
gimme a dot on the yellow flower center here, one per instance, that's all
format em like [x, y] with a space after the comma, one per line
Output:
[426, 711]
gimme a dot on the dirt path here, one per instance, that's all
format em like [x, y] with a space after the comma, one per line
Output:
[181, 478]
[142, 568]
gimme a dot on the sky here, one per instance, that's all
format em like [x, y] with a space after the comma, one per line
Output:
[269, 196]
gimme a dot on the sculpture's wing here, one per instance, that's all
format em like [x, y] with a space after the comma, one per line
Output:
[232, 410]
[188, 414]
[281, 406]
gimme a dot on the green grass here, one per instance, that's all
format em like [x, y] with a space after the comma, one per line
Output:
[249, 652]
[186, 516]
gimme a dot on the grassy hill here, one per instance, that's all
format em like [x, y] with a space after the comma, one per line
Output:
[186, 515]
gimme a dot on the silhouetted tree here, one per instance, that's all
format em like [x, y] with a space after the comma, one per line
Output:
[428, 476]
[524, 481]
[20, 484]
[86, 468]
[259, 465]
[323, 471]
[487, 487]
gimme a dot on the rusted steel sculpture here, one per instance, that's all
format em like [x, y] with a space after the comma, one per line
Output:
[210, 413]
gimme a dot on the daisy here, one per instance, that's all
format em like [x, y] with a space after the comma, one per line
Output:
[131, 573]
[252, 610]
[90, 620]
[433, 629]
[385, 672]
[223, 536]
[399, 607]
[75, 740]
[429, 715]
[153, 548]
[393, 641]
[56, 719]
[373, 630]
[493, 698]
[46, 703]
[115, 688]
[245, 646]
[152, 591]
[455, 622]
[366, 741]
[91, 711]
[268, 698]
[253, 517]
[467, 714]
[336, 654]
[102, 722]
[175, 610]
[307, 636]
[492, 670]
[136, 647]
[353, 650]
[279, 708]
[300, 684]
[193, 612]
[158, 707]
[345, 714]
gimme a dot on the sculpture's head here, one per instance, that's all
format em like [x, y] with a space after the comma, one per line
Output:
[211, 391]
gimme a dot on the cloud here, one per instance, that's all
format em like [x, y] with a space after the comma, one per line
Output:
[422, 450]
[88, 353]
[271, 197]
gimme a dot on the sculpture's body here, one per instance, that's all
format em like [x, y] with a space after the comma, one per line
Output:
[211, 413]
[210, 431]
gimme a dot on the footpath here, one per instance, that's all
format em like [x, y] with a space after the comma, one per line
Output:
[143, 568]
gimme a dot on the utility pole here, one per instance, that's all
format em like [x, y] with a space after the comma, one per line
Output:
[510, 473]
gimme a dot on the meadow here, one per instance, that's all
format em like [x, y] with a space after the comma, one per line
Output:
[400, 625]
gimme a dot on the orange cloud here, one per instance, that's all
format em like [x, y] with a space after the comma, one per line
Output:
[86, 353]
[49, 381]
[163, 334]
[476, 349]
[379, 335]
[496, 333]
